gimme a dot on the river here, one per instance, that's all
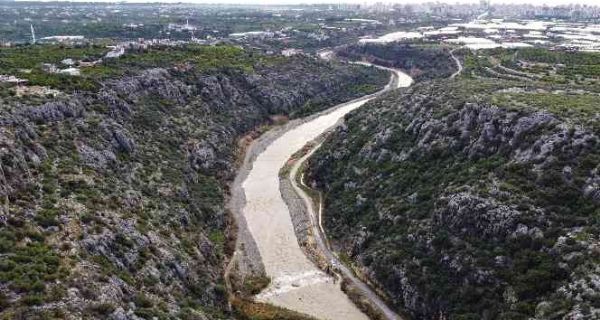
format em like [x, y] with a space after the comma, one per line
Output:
[296, 283]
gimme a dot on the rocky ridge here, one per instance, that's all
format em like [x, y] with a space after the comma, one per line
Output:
[113, 201]
[420, 62]
[460, 208]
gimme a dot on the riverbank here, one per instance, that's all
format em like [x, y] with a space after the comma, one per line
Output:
[267, 244]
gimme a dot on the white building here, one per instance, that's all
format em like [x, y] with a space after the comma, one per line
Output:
[115, 52]
[392, 37]
[252, 34]
[291, 52]
[70, 71]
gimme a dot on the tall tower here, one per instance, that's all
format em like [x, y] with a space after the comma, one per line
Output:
[32, 34]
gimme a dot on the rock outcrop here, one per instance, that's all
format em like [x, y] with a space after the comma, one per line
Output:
[421, 62]
[459, 208]
[113, 201]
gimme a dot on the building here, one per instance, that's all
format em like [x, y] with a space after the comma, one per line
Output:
[70, 71]
[115, 52]
[291, 52]
[10, 80]
[63, 39]
[49, 67]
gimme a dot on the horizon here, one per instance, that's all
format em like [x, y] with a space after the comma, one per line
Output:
[550, 3]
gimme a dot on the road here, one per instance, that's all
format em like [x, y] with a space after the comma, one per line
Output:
[296, 283]
[458, 64]
[323, 244]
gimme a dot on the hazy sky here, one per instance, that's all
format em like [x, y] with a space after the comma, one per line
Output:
[270, 2]
[536, 2]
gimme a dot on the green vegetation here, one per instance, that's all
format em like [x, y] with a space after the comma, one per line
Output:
[199, 56]
[420, 61]
[559, 57]
[313, 106]
[571, 65]
[583, 107]
[246, 308]
[254, 285]
[473, 63]
[121, 188]
[365, 305]
[363, 89]
[26, 62]
[29, 265]
[536, 67]
[372, 83]
[427, 189]
[250, 310]
[31, 57]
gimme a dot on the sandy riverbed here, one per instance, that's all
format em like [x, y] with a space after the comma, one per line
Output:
[296, 283]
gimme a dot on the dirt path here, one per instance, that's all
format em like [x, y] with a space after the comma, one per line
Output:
[325, 248]
[458, 64]
[296, 283]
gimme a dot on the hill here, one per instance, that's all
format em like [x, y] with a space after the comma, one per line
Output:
[473, 198]
[113, 191]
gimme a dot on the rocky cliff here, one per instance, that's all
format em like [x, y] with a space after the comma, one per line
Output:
[420, 61]
[460, 205]
[113, 200]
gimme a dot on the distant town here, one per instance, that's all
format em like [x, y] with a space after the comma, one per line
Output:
[290, 30]
[306, 27]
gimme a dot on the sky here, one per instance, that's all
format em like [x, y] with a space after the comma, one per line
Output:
[271, 2]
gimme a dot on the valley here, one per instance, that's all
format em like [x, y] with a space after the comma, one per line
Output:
[281, 161]
[295, 283]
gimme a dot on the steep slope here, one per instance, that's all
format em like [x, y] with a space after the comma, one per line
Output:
[463, 203]
[113, 199]
[421, 62]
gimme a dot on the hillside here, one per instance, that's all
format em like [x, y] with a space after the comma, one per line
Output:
[113, 191]
[475, 198]
[420, 61]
